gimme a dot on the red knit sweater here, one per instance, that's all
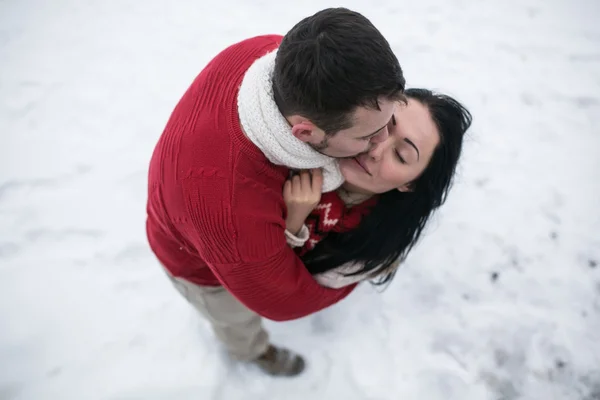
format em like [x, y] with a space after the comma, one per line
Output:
[216, 214]
[333, 215]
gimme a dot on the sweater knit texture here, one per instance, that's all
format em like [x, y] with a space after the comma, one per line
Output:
[334, 213]
[216, 214]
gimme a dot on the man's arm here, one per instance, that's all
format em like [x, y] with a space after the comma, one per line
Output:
[248, 253]
[279, 288]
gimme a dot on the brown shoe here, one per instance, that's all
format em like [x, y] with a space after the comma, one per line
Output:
[280, 362]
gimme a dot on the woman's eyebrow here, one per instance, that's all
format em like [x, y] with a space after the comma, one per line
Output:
[413, 145]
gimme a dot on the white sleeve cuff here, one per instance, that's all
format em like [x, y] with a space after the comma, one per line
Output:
[297, 241]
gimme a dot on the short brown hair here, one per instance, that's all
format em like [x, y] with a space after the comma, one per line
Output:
[331, 63]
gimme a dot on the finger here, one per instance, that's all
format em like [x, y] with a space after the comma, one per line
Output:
[296, 185]
[287, 188]
[317, 180]
[305, 175]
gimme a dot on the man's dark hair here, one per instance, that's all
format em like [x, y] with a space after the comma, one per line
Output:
[331, 63]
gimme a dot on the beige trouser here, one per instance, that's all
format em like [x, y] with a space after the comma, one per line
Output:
[239, 328]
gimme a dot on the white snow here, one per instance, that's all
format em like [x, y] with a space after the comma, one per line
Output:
[86, 313]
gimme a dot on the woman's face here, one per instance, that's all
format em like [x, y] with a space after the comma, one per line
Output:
[400, 158]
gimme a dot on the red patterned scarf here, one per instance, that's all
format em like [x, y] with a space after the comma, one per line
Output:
[332, 215]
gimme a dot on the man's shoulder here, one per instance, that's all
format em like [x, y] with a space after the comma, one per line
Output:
[264, 42]
[247, 50]
[268, 39]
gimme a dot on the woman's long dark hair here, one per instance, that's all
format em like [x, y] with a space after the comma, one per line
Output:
[388, 233]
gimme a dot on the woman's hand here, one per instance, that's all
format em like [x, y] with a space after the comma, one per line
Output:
[301, 194]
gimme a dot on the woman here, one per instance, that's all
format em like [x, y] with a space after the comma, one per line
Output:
[367, 227]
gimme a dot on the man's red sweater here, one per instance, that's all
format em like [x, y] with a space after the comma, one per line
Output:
[216, 214]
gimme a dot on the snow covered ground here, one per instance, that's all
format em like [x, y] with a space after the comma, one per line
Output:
[501, 301]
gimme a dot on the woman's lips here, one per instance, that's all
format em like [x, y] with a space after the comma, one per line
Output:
[361, 164]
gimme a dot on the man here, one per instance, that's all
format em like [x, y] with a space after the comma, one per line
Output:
[216, 215]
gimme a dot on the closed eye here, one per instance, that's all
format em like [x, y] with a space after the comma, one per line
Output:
[367, 138]
[402, 160]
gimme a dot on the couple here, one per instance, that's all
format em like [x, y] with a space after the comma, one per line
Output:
[293, 168]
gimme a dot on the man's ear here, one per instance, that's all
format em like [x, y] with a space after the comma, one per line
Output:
[306, 131]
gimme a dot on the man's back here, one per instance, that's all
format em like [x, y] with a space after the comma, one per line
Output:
[215, 209]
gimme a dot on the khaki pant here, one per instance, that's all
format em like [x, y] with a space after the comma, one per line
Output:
[237, 327]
